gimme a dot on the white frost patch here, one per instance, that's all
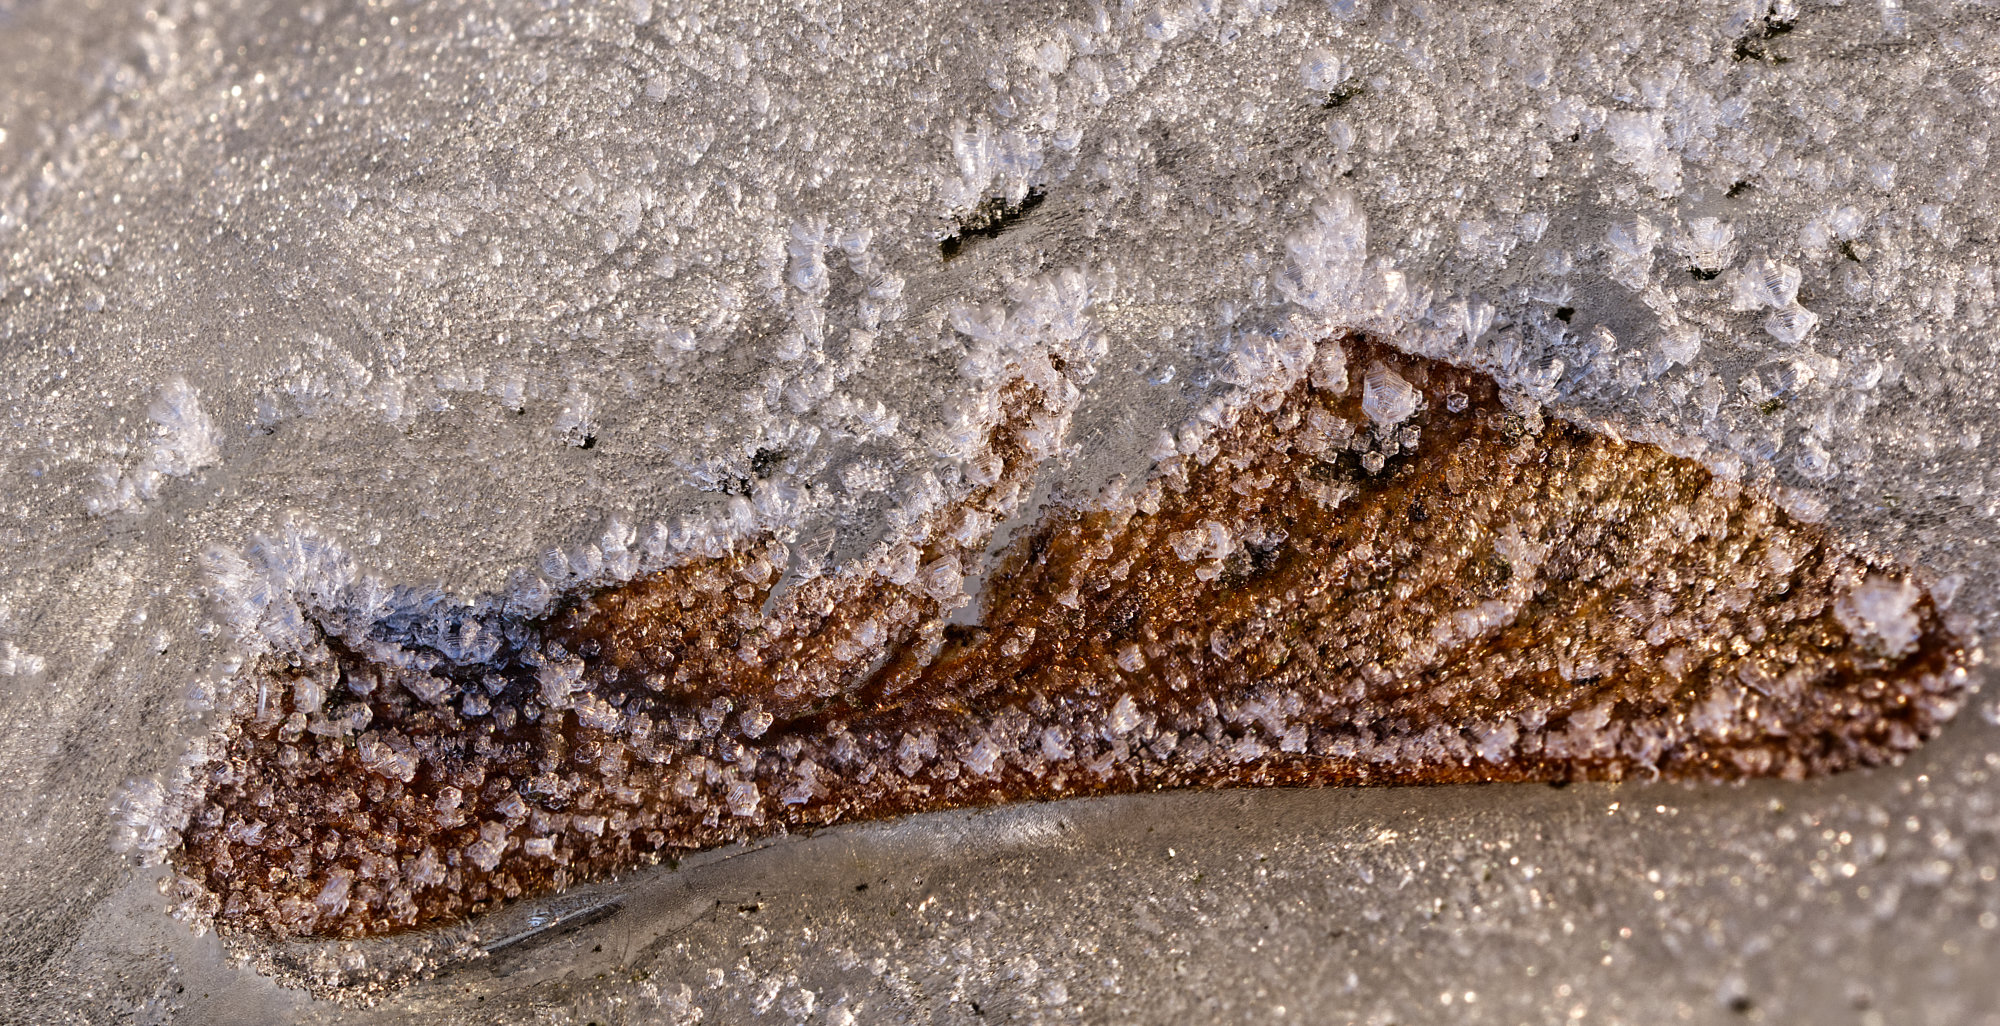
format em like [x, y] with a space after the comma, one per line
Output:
[184, 440]
[1882, 615]
[1327, 257]
[1642, 143]
[264, 591]
[981, 154]
[149, 817]
[16, 663]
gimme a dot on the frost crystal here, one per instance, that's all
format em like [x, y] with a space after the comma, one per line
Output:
[1386, 398]
[1321, 71]
[1629, 256]
[184, 440]
[1791, 325]
[744, 798]
[1882, 613]
[1765, 283]
[1640, 141]
[1708, 243]
[983, 757]
[332, 898]
[1124, 716]
[1326, 268]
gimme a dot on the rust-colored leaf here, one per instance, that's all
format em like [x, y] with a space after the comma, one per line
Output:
[1388, 579]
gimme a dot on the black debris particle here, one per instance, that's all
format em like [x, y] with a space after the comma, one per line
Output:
[988, 220]
[1342, 93]
[1754, 45]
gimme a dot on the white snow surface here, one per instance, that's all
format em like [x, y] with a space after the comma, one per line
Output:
[394, 320]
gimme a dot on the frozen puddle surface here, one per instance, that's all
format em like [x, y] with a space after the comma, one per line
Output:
[451, 455]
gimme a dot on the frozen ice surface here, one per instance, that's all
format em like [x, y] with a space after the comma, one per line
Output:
[397, 319]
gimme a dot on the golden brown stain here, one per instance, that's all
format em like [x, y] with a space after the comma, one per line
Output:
[1466, 593]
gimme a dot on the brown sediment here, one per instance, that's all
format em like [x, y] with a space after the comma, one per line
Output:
[1314, 596]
